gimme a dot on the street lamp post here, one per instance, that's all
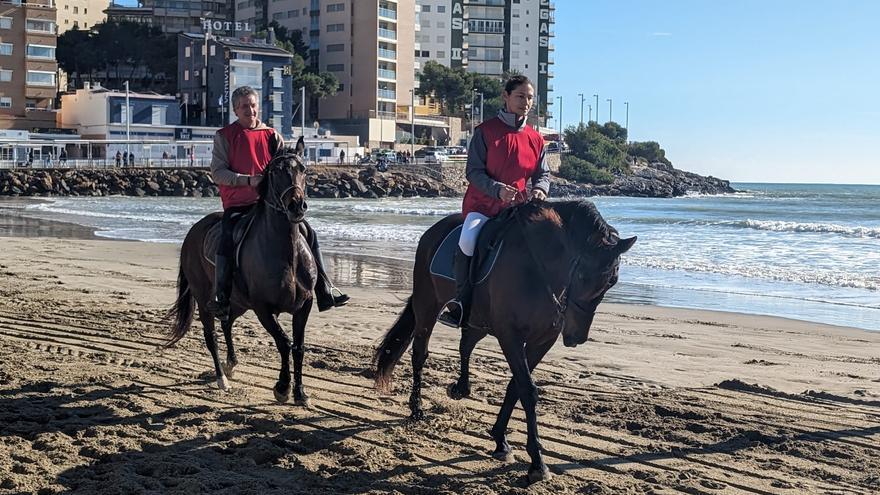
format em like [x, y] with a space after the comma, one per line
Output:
[560, 116]
[590, 108]
[596, 96]
[205, 82]
[626, 124]
[481, 107]
[582, 107]
[127, 122]
[610, 113]
[412, 122]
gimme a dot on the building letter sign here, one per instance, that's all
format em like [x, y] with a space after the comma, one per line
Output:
[211, 25]
[543, 54]
[457, 45]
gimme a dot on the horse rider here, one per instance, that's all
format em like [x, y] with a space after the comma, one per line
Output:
[504, 152]
[242, 150]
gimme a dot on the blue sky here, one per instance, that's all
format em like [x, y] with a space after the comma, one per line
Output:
[747, 90]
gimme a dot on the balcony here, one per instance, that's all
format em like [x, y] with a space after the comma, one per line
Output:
[387, 94]
[387, 74]
[388, 13]
[387, 34]
[389, 54]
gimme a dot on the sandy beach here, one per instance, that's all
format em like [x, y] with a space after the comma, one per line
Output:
[659, 401]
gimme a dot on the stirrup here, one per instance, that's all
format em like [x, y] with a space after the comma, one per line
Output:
[217, 310]
[447, 317]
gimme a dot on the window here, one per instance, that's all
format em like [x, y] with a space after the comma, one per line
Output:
[5, 102]
[277, 101]
[276, 122]
[5, 75]
[336, 7]
[441, 9]
[278, 15]
[76, 10]
[40, 78]
[441, 39]
[426, 23]
[186, 75]
[335, 67]
[276, 78]
[85, 10]
[293, 13]
[336, 48]
[332, 28]
[441, 25]
[5, 48]
[159, 112]
[441, 54]
[30, 103]
[41, 51]
[426, 8]
[5, 22]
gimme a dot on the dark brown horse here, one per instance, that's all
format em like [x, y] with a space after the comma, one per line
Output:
[557, 262]
[276, 274]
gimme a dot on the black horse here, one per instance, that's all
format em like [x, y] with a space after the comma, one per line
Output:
[558, 261]
[276, 273]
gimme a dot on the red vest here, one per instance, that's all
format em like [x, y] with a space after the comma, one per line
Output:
[248, 154]
[511, 157]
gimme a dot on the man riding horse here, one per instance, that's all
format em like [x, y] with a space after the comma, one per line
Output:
[242, 150]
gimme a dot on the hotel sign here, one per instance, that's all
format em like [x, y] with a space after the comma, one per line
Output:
[213, 25]
[458, 48]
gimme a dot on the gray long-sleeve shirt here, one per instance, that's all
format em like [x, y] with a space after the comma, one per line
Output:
[477, 155]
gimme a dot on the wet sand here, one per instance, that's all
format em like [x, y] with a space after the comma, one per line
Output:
[659, 401]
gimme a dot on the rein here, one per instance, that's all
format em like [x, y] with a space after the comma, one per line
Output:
[275, 200]
[561, 302]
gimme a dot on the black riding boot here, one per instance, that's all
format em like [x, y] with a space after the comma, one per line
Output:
[458, 309]
[219, 306]
[326, 294]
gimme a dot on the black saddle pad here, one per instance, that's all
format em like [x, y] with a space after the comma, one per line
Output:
[212, 239]
[489, 245]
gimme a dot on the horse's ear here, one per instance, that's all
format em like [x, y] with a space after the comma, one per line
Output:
[300, 147]
[624, 245]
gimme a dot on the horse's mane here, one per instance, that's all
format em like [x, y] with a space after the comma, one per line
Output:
[581, 222]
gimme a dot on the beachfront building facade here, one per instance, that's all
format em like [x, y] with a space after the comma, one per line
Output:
[80, 14]
[177, 16]
[210, 68]
[150, 121]
[491, 37]
[28, 70]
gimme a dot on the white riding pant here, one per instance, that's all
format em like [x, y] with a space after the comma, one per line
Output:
[473, 222]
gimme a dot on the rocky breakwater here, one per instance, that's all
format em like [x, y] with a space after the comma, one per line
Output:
[654, 180]
[322, 182]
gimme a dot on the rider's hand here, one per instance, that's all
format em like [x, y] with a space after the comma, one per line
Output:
[255, 180]
[507, 193]
[538, 194]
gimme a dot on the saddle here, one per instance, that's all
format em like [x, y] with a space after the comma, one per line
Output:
[212, 238]
[489, 245]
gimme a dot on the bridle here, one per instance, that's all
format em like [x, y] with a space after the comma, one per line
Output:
[562, 301]
[275, 200]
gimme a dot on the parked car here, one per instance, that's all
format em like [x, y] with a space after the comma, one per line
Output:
[556, 147]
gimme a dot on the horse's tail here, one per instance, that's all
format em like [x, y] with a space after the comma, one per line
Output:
[181, 313]
[393, 345]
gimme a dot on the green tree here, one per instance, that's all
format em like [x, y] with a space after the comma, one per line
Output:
[579, 170]
[589, 142]
[649, 150]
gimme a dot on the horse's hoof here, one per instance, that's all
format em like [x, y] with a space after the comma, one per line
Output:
[302, 399]
[455, 393]
[417, 415]
[536, 475]
[228, 369]
[504, 456]
[281, 397]
[223, 384]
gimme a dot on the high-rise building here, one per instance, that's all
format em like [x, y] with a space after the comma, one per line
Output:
[28, 71]
[490, 37]
[80, 14]
[366, 44]
[183, 16]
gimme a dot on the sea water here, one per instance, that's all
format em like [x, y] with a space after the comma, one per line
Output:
[809, 252]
